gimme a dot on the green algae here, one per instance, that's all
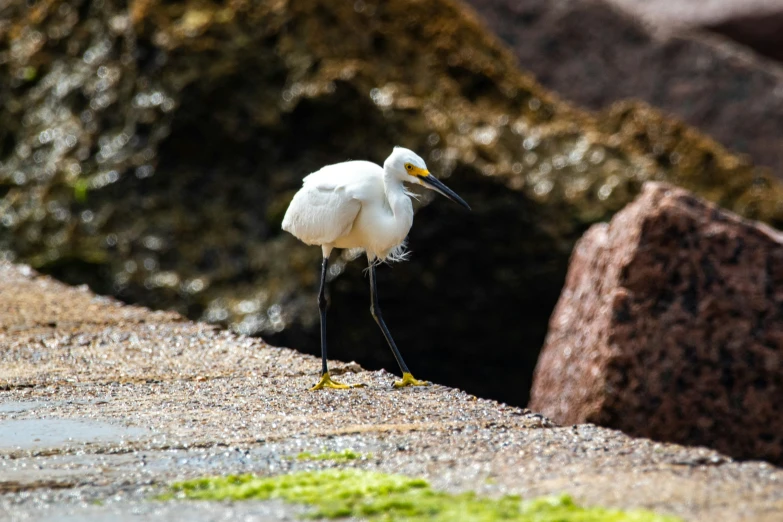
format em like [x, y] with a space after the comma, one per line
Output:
[339, 493]
[338, 456]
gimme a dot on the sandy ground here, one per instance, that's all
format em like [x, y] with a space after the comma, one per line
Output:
[102, 405]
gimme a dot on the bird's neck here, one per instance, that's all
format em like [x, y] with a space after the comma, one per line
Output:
[399, 201]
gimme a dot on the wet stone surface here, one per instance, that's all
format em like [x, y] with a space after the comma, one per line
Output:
[179, 400]
[40, 433]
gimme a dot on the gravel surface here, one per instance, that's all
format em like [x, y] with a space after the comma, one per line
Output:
[105, 404]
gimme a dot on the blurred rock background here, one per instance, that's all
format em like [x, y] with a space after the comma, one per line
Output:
[149, 149]
[712, 63]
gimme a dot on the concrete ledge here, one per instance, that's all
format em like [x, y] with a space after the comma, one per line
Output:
[105, 404]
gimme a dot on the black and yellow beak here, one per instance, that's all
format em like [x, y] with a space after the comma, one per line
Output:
[431, 182]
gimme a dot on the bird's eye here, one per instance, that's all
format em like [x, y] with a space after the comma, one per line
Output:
[409, 166]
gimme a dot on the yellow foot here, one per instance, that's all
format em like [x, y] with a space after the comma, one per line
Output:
[408, 380]
[327, 382]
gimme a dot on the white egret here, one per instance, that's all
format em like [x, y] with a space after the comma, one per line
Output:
[358, 204]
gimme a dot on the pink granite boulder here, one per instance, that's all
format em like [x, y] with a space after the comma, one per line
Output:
[670, 326]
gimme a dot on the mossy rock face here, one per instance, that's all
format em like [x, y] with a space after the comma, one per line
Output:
[151, 152]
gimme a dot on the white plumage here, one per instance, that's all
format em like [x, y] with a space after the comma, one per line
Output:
[358, 204]
[355, 204]
[339, 205]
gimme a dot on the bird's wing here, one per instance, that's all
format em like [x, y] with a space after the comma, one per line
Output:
[319, 216]
[326, 206]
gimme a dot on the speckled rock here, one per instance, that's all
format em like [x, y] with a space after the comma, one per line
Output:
[150, 151]
[670, 326]
[596, 54]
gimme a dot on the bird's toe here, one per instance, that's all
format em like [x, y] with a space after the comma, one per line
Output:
[409, 380]
[327, 382]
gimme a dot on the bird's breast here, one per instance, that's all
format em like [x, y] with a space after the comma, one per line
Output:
[378, 229]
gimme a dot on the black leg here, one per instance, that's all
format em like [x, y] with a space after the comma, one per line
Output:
[322, 308]
[375, 309]
[326, 381]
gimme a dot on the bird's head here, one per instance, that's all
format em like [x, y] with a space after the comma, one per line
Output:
[408, 166]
